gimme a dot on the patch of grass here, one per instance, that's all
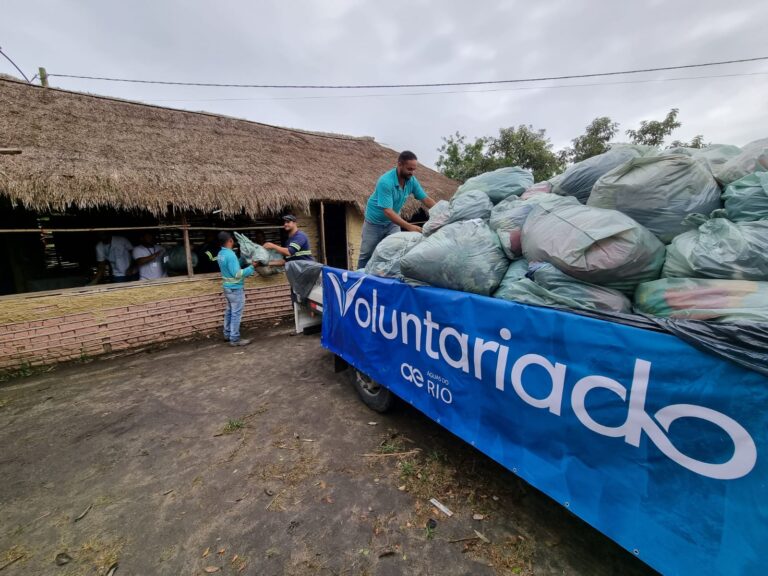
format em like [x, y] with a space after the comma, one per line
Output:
[100, 554]
[16, 554]
[272, 552]
[233, 424]
[24, 370]
[513, 556]
[429, 531]
[390, 445]
[407, 468]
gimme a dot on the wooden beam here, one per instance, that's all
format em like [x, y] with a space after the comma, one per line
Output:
[187, 245]
[125, 228]
[322, 233]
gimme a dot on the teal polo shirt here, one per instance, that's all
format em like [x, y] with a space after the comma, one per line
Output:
[389, 194]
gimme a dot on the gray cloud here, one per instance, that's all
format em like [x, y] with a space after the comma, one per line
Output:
[409, 42]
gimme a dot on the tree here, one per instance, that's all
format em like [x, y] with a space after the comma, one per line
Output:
[525, 147]
[653, 132]
[461, 160]
[697, 142]
[594, 141]
[522, 146]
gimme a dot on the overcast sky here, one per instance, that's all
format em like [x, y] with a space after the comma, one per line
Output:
[415, 41]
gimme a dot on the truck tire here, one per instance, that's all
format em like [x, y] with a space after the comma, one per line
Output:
[373, 394]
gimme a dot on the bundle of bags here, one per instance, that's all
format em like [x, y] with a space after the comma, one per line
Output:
[679, 233]
[250, 252]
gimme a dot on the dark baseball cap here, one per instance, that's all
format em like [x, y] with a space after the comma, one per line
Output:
[289, 218]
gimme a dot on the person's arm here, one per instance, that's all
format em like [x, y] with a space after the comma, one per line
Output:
[101, 271]
[146, 259]
[420, 195]
[395, 217]
[284, 251]
[277, 263]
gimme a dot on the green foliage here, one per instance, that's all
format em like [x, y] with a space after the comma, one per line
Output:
[522, 146]
[461, 160]
[653, 132]
[594, 141]
[233, 424]
[697, 142]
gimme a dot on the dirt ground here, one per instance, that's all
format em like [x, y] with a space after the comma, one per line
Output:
[200, 458]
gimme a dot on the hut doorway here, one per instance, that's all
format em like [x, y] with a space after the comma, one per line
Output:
[334, 234]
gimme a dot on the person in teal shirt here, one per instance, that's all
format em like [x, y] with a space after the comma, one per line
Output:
[382, 213]
[234, 289]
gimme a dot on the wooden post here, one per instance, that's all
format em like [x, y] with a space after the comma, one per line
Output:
[43, 77]
[187, 245]
[322, 233]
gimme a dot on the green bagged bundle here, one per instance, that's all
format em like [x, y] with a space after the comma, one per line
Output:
[499, 184]
[659, 192]
[462, 256]
[713, 156]
[747, 198]
[386, 258]
[508, 217]
[176, 259]
[594, 245]
[720, 248]
[548, 286]
[469, 205]
[578, 179]
[753, 158]
[439, 215]
[252, 252]
[698, 299]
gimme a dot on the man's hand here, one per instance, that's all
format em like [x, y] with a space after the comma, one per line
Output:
[270, 246]
[414, 228]
[255, 263]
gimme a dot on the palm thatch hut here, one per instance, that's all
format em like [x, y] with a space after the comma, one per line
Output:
[83, 161]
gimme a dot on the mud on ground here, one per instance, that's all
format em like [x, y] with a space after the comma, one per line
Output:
[206, 459]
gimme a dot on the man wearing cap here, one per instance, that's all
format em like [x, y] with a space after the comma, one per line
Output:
[382, 213]
[296, 246]
[234, 291]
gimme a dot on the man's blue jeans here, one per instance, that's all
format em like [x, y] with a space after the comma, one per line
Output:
[235, 304]
[372, 235]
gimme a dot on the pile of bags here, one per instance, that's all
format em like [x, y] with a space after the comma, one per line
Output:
[679, 233]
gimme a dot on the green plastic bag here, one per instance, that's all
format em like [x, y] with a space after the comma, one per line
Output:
[386, 258]
[659, 192]
[594, 245]
[548, 286]
[470, 205]
[747, 198]
[720, 248]
[253, 252]
[176, 259]
[462, 256]
[696, 299]
[508, 217]
[753, 158]
[713, 156]
[579, 178]
[439, 215]
[499, 184]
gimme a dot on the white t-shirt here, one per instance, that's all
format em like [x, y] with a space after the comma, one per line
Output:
[154, 268]
[118, 253]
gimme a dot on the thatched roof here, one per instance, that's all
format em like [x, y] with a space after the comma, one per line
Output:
[87, 151]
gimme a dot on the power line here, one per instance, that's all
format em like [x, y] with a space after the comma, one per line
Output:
[428, 85]
[390, 95]
[14, 65]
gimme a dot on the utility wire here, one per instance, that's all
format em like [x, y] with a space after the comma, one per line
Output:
[390, 95]
[428, 85]
[14, 65]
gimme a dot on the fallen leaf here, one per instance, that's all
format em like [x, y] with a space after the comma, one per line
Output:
[222, 550]
[207, 551]
[478, 516]
[112, 570]
[482, 537]
[63, 558]
[235, 557]
[211, 569]
[83, 513]
[373, 423]
[401, 488]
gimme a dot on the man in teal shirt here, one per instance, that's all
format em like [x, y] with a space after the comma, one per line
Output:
[382, 213]
[234, 290]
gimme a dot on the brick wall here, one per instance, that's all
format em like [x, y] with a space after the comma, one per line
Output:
[158, 317]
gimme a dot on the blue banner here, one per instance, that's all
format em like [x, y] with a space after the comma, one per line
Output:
[659, 446]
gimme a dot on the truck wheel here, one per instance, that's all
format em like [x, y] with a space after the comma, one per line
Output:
[373, 394]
